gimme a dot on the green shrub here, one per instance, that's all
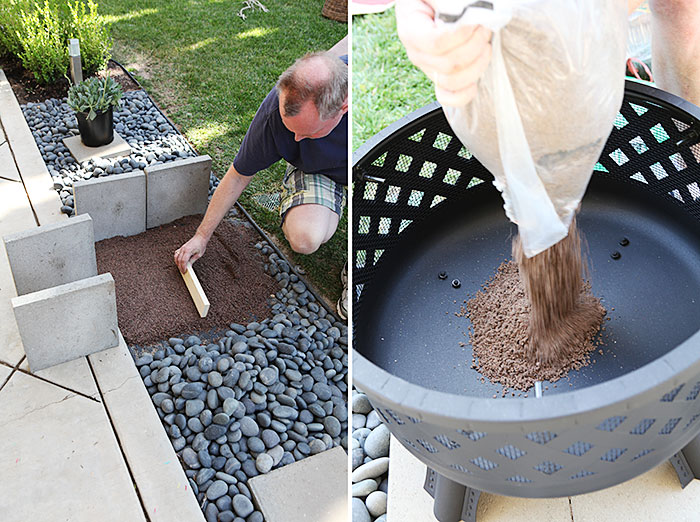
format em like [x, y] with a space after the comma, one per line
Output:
[10, 24]
[43, 50]
[94, 95]
[38, 34]
[95, 41]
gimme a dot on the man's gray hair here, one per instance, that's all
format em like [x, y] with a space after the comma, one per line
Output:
[305, 81]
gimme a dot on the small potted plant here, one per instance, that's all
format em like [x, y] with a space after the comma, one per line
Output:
[93, 100]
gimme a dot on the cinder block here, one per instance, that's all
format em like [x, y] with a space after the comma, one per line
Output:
[116, 204]
[52, 255]
[177, 189]
[66, 322]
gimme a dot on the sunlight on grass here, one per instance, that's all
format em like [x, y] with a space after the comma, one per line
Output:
[200, 44]
[256, 32]
[130, 15]
[204, 134]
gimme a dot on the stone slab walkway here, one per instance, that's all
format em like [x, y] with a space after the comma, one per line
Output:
[655, 496]
[80, 441]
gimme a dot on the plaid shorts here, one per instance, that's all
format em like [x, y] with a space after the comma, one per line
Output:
[300, 188]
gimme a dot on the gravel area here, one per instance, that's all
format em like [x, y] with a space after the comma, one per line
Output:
[152, 138]
[262, 396]
[370, 461]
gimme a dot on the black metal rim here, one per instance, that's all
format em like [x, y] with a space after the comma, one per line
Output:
[449, 409]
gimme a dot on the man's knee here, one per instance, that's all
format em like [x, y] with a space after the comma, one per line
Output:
[305, 240]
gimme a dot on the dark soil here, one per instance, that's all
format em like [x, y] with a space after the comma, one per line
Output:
[27, 89]
[500, 334]
[153, 302]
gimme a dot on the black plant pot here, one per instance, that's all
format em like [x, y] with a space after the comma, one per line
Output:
[97, 132]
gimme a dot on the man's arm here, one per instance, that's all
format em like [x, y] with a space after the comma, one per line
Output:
[225, 196]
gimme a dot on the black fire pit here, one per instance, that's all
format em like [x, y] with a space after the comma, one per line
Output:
[429, 228]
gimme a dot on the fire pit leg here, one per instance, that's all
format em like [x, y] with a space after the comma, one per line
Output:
[687, 462]
[453, 501]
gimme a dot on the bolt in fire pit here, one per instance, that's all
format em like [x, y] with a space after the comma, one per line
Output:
[422, 204]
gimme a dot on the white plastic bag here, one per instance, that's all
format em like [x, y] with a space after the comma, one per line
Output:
[545, 105]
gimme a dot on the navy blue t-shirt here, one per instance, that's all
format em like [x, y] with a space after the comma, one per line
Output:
[268, 140]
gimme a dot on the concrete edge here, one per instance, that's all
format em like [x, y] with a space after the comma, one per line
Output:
[45, 201]
[158, 475]
[178, 163]
[48, 228]
[112, 178]
[60, 290]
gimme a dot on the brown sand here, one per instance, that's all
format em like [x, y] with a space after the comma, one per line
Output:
[153, 302]
[562, 312]
[515, 345]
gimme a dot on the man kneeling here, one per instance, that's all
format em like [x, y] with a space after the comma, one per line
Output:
[303, 120]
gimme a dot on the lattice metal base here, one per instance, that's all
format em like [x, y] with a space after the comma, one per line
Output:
[687, 462]
[454, 502]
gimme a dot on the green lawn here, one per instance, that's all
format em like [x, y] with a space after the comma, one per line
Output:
[209, 70]
[385, 84]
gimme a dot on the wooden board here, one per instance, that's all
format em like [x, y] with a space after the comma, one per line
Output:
[196, 291]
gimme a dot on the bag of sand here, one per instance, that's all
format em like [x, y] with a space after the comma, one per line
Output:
[546, 104]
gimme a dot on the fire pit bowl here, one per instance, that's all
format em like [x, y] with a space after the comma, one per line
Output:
[426, 215]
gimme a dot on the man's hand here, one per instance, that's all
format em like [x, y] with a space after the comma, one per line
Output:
[190, 252]
[453, 57]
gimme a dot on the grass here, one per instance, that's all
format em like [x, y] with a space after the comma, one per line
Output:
[385, 84]
[210, 70]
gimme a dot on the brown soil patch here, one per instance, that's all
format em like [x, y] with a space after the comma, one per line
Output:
[500, 334]
[153, 302]
[27, 89]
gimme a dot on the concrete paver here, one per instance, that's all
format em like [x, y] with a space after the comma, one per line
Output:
[154, 465]
[15, 215]
[37, 180]
[51, 255]
[82, 153]
[15, 212]
[74, 375]
[61, 458]
[314, 488]
[11, 351]
[652, 497]
[116, 204]
[8, 169]
[81, 316]
[176, 189]
[5, 372]
[409, 501]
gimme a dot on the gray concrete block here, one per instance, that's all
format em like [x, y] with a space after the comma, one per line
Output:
[176, 189]
[320, 489]
[116, 204]
[52, 255]
[65, 322]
